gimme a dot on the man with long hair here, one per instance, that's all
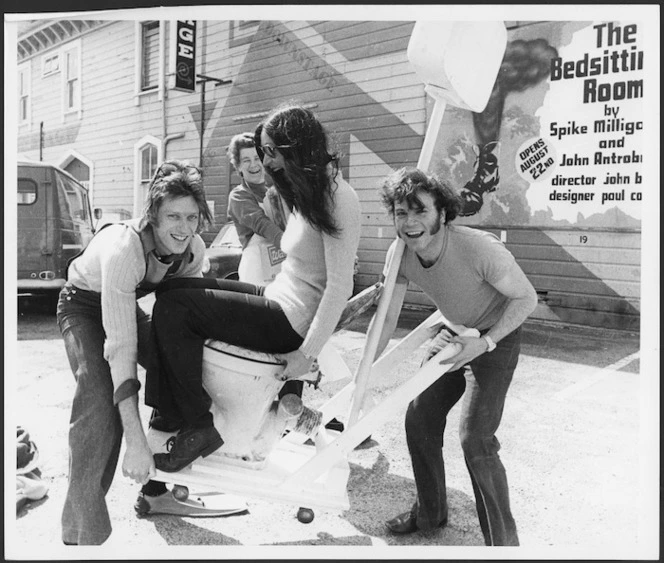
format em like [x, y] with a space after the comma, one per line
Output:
[475, 282]
[105, 333]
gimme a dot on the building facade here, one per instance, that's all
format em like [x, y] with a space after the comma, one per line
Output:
[109, 100]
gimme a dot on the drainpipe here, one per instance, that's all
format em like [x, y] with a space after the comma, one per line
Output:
[162, 86]
[170, 138]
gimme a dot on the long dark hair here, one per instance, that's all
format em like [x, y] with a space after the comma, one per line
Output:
[304, 183]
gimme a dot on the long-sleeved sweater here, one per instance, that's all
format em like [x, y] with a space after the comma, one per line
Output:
[114, 264]
[249, 218]
[316, 279]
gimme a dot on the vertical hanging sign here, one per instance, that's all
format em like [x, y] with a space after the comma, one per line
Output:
[185, 56]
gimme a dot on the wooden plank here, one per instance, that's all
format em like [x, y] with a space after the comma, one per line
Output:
[629, 256]
[585, 286]
[613, 304]
[571, 237]
[575, 269]
[584, 317]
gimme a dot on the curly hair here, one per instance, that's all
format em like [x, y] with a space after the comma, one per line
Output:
[305, 183]
[175, 178]
[405, 184]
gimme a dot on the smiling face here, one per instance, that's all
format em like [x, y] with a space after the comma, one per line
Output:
[275, 163]
[250, 166]
[420, 226]
[177, 221]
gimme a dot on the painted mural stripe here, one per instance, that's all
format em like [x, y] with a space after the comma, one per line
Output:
[591, 380]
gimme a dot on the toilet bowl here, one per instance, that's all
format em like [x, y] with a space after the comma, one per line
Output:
[244, 386]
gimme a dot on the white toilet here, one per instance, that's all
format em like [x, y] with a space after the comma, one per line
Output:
[244, 388]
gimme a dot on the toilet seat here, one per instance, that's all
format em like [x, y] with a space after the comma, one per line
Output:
[243, 353]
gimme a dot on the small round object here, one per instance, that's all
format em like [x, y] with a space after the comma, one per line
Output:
[305, 515]
[142, 507]
[180, 492]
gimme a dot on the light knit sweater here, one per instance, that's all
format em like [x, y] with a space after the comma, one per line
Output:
[316, 279]
[114, 264]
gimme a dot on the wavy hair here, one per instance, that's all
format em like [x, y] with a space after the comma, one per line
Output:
[239, 142]
[175, 178]
[405, 184]
[305, 182]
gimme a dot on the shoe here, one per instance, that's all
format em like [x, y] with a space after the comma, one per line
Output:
[163, 424]
[406, 523]
[403, 524]
[167, 503]
[187, 446]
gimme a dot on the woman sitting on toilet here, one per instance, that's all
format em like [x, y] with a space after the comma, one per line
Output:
[292, 318]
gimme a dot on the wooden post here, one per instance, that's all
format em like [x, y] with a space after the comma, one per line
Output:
[373, 336]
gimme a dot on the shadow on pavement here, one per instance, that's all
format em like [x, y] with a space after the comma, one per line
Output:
[178, 531]
[377, 495]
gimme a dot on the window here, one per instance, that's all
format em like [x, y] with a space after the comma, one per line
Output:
[24, 95]
[71, 79]
[147, 156]
[50, 64]
[73, 200]
[149, 160]
[149, 55]
[27, 192]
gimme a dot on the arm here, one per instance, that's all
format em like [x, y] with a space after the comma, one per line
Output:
[122, 268]
[339, 256]
[522, 300]
[244, 209]
[138, 463]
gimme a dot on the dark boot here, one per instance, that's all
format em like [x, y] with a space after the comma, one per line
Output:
[187, 446]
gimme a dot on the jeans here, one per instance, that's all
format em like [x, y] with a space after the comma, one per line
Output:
[484, 389]
[95, 431]
[186, 313]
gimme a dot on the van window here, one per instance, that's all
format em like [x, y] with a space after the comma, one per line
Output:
[73, 200]
[27, 192]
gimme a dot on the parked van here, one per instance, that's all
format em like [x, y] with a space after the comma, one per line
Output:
[54, 224]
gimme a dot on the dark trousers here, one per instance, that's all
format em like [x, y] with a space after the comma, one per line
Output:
[95, 429]
[483, 388]
[187, 312]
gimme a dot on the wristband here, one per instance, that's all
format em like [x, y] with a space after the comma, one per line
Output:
[490, 343]
[126, 389]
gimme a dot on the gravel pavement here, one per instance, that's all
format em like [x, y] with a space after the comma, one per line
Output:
[574, 435]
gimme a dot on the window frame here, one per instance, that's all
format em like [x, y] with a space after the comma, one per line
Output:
[71, 48]
[139, 181]
[36, 191]
[53, 55]
[139, 60]
[24, 70]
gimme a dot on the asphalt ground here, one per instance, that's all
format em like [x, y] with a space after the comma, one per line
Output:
[577, 438]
